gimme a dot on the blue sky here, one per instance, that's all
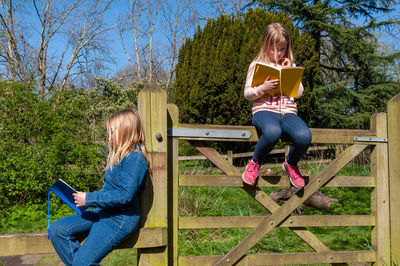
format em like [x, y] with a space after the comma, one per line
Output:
[113, 40]
[205, 9]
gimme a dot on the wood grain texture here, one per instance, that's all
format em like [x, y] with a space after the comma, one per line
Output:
[393, 109]
[287, 259]
[24, 244]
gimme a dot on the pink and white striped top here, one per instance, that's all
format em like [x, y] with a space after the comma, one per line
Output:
[265, 102]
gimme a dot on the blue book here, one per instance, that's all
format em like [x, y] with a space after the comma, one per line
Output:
[64, 192]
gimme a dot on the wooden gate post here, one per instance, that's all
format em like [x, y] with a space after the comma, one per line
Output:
[173, 142]
[380, 237]
[394, 176]
[152, 107]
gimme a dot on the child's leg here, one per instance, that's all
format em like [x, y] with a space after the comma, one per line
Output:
[268, 123]
[64, 234]
[103, 237]
[294, 127]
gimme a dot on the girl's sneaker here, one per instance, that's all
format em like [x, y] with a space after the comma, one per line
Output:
[295, 176]
[250, 174]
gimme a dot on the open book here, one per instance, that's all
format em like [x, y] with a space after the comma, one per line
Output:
[289, 78]
[64, 192]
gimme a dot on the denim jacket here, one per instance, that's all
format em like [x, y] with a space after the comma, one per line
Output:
[121, 186]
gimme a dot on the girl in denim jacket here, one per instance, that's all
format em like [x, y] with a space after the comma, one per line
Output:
[274, 116]
[118, 212]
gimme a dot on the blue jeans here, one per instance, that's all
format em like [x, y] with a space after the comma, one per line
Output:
[272, 126]
[105, 233]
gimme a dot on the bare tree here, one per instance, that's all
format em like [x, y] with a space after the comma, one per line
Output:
[220, 7]
[131, 23]
[177, 23]
[69, 34]
[143, 28]
[151, 35]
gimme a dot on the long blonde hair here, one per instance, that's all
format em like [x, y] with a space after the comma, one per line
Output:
[273, 34]
[129, 129]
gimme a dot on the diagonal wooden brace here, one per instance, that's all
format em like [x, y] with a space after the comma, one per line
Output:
[287, 208]
[256, 193]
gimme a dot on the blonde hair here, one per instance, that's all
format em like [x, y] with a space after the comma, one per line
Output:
[129, 129]
[274, 33]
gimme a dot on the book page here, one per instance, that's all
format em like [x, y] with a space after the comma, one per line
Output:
[261, 72]
[290, 80]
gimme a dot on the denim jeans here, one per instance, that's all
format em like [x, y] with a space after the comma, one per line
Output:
[105, 233]
[272, 126]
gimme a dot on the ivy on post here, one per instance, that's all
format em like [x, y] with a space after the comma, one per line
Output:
[152, 107]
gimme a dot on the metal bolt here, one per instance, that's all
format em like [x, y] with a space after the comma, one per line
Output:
[331, 257]
[319, 180]
[159, 137]
[228, 260]
[290, 221]
[207, 133]
[243, 134]
[271, 223]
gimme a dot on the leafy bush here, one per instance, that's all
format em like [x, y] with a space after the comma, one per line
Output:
[60, 136]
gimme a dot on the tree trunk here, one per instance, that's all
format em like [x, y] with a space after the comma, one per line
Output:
[316, 200]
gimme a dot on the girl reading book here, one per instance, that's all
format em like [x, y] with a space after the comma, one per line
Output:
[117, 211]
[274, 116]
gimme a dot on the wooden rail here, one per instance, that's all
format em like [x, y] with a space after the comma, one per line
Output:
[230, 155]
[25, 244]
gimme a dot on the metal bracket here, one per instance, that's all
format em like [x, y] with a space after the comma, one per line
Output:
[209, 133]
[367, 139]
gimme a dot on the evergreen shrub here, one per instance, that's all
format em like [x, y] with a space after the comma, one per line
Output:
[60, 136]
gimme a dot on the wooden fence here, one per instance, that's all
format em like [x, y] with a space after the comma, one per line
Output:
[157, 240]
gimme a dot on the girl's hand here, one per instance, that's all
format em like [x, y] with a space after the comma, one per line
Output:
[80, 199]
[269, 84]
[286, 62]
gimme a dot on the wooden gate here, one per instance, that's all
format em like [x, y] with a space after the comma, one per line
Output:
[281, 216]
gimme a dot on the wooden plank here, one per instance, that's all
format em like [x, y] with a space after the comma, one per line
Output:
[154, 199]
[147, 237]
[25, 244]
[256, 193]
[393, 109]
[249, 154]
[380, 235]
[287, 258]
[292, 221]
[268, 181]
[320, 135]
[289, 206]
[173, 213]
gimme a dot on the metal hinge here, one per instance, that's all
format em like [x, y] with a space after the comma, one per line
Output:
[367, 139]
[209, 133]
